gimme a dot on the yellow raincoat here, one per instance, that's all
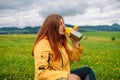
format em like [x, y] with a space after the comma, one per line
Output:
[46, 68]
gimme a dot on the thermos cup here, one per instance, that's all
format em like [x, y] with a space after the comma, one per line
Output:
[73, 33]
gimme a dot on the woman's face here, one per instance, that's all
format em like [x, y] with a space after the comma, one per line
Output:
[62, 27]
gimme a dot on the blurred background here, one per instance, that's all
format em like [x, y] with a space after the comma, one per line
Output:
[97, 20]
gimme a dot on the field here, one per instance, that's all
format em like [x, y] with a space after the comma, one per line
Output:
[101, 53]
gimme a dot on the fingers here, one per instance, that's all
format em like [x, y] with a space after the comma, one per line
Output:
[73, 77]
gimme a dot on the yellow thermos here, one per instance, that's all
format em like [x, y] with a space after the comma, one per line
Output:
[73, 33]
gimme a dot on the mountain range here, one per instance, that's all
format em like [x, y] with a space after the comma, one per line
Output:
[34, 30]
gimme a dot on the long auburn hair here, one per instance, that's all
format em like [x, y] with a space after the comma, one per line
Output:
[50, 29]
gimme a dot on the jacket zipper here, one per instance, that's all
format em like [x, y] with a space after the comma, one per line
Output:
[62, 60]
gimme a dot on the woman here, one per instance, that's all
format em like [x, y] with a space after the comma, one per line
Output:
[52, 53]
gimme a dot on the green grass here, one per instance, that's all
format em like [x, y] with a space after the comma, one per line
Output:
[100, 53]
[16, 62]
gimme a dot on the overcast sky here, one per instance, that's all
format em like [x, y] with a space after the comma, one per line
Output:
[21, 13]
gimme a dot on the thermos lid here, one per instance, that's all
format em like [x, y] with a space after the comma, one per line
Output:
[68, 30]
[75, 27]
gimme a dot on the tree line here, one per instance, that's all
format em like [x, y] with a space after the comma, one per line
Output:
[34, 30]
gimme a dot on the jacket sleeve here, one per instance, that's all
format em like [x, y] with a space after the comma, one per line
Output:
[75, 53]
[42, 70]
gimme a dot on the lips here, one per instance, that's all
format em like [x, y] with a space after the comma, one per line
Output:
[63, 30]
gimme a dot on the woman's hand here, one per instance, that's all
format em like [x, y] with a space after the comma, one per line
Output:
[73, 77]
[75, 43]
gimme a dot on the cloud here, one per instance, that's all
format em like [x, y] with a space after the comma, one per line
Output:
[81, 12]
[65, 8]
[14, 4]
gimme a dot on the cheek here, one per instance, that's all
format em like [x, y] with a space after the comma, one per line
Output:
[61, 30]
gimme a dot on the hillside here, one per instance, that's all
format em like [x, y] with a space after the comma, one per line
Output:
[114, 27]
[15, 30]
[34, 30]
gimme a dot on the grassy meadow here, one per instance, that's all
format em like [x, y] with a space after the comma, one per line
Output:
[101, 53]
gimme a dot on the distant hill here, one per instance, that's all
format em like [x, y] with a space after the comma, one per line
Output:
[114, 27]
[15, 30]
[34, 30]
